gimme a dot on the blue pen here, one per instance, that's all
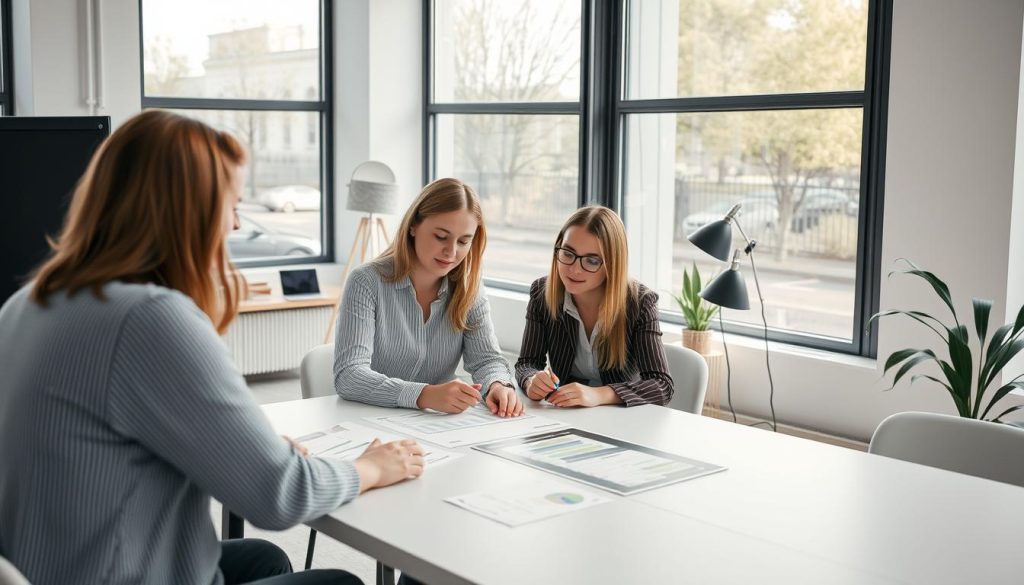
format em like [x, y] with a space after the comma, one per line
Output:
[550, 373]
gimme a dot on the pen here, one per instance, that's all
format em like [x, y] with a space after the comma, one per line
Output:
[554, 379]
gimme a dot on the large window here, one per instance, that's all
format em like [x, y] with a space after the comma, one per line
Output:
[689, 107]
[258, 69]
[6, 95]
[504, 115]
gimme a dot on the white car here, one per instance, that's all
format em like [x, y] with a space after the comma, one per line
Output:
[289, 198]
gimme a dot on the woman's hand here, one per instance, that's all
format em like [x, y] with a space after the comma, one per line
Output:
[383, 464]
[541, 384]
[451, 397]
[302, 450]
[504, 401]
[576, 394]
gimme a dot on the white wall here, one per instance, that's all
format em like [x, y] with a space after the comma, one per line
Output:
[952, 196]
[49, 51]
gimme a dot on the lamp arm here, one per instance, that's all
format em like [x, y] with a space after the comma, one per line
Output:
[750, 243]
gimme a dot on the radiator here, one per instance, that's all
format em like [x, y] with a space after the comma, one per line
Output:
[272, 341]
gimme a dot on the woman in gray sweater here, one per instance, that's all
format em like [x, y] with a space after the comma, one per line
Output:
[121, 412]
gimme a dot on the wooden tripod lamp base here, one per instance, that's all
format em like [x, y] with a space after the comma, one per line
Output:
[370, 235]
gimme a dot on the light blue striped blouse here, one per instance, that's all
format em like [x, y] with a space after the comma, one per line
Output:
[385, 354]
[118, 420]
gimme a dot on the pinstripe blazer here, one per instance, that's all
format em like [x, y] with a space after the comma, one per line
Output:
[643, 380]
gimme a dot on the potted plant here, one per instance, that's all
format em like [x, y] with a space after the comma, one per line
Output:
[696, 311]
[958, 378]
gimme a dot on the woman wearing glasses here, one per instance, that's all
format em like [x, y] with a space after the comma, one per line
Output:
[592, 334]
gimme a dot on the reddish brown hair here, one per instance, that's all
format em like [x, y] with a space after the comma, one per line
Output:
[151, 208]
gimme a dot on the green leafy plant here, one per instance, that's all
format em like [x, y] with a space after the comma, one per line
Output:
[697, 312]
[957, 366]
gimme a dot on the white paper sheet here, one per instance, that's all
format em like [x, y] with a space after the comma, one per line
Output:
[348, 440]
[475, 425]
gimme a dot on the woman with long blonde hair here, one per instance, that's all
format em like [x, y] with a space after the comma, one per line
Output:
[592, 334]
[122, 412]
[409, 316]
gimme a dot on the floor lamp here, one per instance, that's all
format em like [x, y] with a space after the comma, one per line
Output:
[729, 290]
[371, 190]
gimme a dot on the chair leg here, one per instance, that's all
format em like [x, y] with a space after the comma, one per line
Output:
[309, 549]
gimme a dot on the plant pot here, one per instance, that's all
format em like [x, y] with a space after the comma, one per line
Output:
[698, 341]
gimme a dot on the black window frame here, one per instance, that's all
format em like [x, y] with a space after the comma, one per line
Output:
[602, 110]
[431, 110]
[324, 106]
[6, 59]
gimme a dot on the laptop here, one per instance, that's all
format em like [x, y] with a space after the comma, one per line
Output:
[300, 285]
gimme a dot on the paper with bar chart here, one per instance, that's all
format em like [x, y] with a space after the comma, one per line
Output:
[348, 440]
[475, 425]
[517, 505]
[610, 464]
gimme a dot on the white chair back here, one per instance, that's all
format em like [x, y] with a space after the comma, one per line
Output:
[974, 447]
[689, 376]
[9, 575]
[316, 372]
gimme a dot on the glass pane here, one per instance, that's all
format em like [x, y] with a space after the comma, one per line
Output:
[686, 48]
[506, 50]
[526, 171]
[281, 202]
[240, 49]
[796, 175]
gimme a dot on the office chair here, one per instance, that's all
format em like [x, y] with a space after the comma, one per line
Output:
[316, 372]
[689, 378]
[974, 447]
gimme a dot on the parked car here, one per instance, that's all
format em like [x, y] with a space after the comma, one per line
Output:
[289, 198]
[253, 240]
[818, 202]
[757, 216]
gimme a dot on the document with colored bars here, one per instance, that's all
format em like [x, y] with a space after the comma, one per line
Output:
[611, 464]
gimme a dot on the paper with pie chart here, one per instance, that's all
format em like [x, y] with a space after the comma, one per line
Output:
[515, 506]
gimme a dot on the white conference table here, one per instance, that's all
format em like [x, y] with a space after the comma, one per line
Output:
[787, 510]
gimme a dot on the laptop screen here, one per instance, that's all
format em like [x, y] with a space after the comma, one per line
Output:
[298, 282]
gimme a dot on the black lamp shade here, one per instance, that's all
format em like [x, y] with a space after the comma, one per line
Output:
[727, 290]
[714, 238]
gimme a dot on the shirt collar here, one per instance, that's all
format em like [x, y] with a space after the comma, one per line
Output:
[442, 292]
[570, 307]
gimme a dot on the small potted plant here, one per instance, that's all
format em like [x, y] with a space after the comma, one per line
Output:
[696, 311]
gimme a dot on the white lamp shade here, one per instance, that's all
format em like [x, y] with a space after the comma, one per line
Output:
[372, 197]
[373, 189]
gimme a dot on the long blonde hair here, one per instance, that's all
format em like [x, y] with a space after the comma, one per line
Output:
[150, 209]
[443, 196]
[618, 288]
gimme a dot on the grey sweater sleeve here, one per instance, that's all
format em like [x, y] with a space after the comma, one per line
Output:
[354, 378]
[175, 390]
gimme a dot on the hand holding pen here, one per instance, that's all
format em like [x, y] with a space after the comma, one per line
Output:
[542, 385]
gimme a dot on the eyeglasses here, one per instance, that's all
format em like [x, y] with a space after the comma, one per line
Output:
[590, 262]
